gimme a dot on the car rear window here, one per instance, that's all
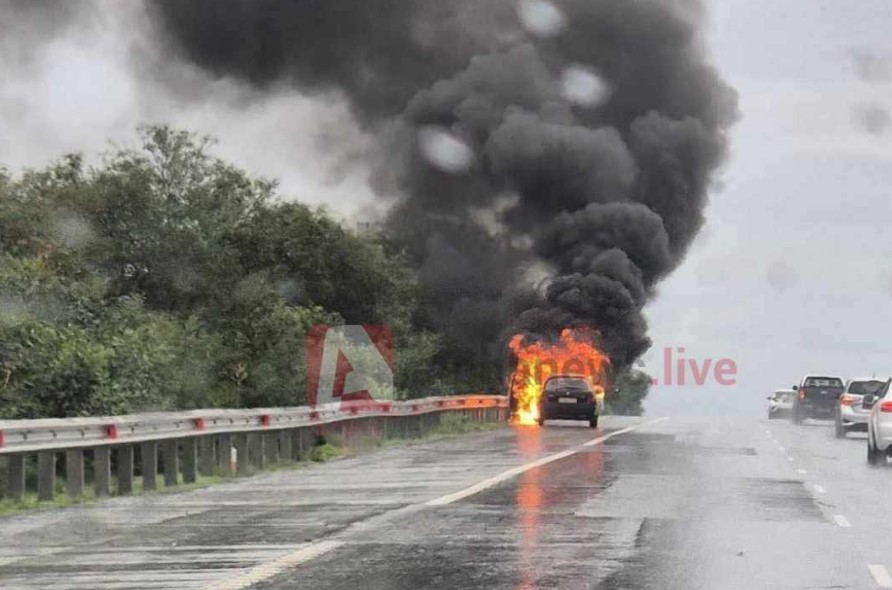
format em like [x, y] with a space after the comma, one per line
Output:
[865, 387]
[823, 382]
[565, 383]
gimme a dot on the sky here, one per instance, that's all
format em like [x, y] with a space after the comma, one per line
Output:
[791, 274]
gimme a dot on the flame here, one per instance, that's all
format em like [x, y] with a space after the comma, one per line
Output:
[575, 354]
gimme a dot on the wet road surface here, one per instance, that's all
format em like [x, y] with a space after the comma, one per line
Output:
[673, 504]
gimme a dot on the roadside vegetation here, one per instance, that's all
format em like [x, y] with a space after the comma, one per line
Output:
[164, 278]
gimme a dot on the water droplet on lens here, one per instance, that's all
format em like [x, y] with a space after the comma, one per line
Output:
[443, 150]
[541, 18]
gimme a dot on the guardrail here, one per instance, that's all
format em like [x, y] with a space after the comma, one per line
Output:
[179, 446]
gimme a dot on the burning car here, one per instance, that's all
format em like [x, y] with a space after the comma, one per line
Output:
[557, 379]
[566, 397]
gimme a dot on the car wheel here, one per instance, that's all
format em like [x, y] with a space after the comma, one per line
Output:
[541, 421]
[593, 422]
[770, 415]
[874, 457]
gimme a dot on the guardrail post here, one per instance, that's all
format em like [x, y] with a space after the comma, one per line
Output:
[190, 459]
[224, 453]
[102, 471]
[46, 475]
[15, 482]
[241, 452]
[171, 462]
[286, 450]
[206, 461]
[124, 456]
[256, 450]
[74, 473]
[149, 452]
[299, 446]
[271, 447]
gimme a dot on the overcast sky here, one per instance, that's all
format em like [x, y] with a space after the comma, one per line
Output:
[792, 273]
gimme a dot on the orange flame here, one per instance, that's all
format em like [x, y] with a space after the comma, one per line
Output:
[575, 354]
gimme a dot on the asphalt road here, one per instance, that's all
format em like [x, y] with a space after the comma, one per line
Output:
[638, 504]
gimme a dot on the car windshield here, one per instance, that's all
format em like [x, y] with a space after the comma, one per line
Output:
[823, 382]
[872, 387]
[557, 383]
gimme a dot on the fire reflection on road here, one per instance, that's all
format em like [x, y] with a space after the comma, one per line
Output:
[533, 497]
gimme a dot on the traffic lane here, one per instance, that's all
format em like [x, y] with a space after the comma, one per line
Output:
[683, 504]
[837, 473]
[189, 539]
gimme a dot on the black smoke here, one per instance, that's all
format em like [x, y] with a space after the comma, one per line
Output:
[558, 212]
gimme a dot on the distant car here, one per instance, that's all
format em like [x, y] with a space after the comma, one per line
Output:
[567, 397]
[780, 403]
[855, 403]
[879, 427]
[816, 397]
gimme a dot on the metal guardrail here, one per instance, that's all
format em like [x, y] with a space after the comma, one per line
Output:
[207, 441]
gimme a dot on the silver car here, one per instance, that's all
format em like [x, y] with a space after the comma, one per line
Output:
[855, 403]
[879, 428]
[780, 403]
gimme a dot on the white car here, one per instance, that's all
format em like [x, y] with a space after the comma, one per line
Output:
[855, 403]
[879, 427]
[780, 403]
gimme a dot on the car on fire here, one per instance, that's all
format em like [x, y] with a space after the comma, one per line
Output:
[569, 397]
[816, 397]
[780, 403]
[855, 404]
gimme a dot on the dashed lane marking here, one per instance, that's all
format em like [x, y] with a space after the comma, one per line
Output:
[841, 520]
[880, 575]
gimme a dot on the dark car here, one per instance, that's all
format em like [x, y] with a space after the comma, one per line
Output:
[817, 397]
[566, 397]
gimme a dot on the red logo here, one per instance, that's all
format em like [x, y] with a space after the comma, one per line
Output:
[349, 364]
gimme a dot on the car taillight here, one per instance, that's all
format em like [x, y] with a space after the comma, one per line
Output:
[847, 400]
[801, 394]
[886, 407]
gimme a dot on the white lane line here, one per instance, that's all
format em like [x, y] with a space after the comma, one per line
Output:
[819, 489]
[790, 459]
[781, 449]
[801, 471]
[880, 575]
[841, 520]
[514, 472]
[268, 569]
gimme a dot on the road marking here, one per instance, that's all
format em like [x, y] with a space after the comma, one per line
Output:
[514, 472]
[880, 575]
[790, 459]
[819, 489]
[802, 471]
[268, 569]
[841, 520]
[781, 449]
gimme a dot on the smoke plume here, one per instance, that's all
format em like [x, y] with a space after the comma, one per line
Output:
[546, 163]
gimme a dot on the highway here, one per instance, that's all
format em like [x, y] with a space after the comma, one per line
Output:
[640, 503]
